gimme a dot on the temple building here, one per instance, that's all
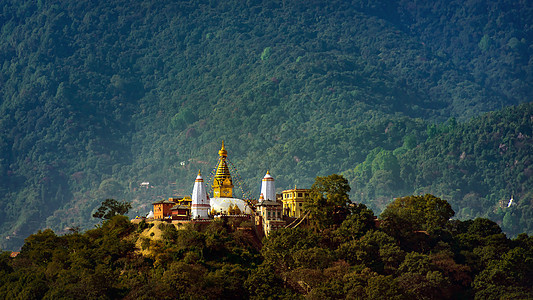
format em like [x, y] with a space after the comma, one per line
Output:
[268, 188]
[180, 212]
[185, 201]
[222, 183]
[200, 206]
[269, 215]
[223, 188]
[271, 212]
[293, 201]
[162, 209]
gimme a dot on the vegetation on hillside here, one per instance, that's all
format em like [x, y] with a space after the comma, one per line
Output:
[96, 97]
[478, 166]
[415, 252]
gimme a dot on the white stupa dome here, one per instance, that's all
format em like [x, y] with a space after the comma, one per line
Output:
[223, 204]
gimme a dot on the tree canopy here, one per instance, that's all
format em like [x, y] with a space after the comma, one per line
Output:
[328, 201]
[111, 208]
[418, 212]
[360, 258]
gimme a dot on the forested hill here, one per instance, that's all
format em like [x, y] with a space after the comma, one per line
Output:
[96, 97]
[478, 166]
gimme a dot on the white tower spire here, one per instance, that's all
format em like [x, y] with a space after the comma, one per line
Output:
[200, 203]
[268, 189]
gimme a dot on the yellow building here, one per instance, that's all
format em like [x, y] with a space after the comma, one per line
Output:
[293, 201]
[222, 183]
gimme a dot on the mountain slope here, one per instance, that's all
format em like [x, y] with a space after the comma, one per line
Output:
[97, 97]
[478, 166]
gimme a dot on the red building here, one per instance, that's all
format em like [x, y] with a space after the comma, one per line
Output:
[162, 209]
[180, 212]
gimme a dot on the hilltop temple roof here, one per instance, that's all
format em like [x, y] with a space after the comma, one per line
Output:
[164, 201]
[222, 183]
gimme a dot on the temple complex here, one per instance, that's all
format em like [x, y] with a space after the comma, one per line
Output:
[271, 212]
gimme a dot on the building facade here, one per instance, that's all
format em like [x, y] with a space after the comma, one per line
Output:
[269, 215]
[293, 201]
[180, 212]
[162, 209]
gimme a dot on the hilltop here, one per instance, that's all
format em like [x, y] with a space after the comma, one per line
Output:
[97, 97]
[413, 252]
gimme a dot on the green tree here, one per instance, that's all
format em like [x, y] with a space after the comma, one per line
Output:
[383, 287]
[483, 227]
[111, 208]
[375, 250]
[328, 201]
[484, 43]
[265, 283]
[507, 277]
[357, 224]
[265, 55]
[280, 246]
[416, 213]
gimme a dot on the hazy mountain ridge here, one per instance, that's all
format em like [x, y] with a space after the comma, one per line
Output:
[97, 97]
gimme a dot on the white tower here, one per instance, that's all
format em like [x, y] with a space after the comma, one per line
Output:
[200, 203]
[268, 189]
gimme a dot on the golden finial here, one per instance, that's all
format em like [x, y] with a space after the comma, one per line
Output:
[199, 177]
[222, 151]
[268, 172]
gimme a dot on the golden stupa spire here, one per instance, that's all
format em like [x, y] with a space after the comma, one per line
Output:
[222, 152]
[222, 183]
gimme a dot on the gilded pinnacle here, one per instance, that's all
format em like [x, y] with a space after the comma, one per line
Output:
[222, 152]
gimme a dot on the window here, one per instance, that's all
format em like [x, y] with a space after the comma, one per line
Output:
[299, 195]
[300, 204]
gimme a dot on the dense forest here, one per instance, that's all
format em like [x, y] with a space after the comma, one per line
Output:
[97, 97]
[479, 165]
[414, 252]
